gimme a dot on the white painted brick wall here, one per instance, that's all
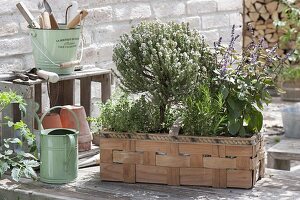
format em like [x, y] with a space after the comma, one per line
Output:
[108, 19]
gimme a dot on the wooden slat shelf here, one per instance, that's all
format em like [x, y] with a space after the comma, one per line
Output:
[63, 93]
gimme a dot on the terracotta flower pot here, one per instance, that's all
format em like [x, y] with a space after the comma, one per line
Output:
[68, 121]
[52, 120]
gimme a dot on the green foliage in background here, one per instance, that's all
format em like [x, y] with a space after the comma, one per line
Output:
[291, 74]
[12, 155]
[290, 25]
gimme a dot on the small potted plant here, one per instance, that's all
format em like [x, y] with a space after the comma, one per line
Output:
[290, 83]
[188, 114]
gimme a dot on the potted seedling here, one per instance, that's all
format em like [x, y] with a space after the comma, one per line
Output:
[188, 114]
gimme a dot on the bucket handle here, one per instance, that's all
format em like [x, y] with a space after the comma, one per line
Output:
[56, 107]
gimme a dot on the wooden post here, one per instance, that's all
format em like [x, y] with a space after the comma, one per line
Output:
[62, 93]
[85, 94]
[38, 96]
[106, 87]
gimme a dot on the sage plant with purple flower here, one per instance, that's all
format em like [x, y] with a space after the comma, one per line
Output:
[242, 78]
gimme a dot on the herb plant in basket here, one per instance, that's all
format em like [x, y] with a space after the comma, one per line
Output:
[213, 97]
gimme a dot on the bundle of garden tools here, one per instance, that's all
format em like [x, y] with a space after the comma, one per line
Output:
[47, 20]
[25, 76]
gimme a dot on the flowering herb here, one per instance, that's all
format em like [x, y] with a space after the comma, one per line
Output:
[243, 79]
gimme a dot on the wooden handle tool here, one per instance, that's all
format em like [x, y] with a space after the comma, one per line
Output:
[27, 15]
[46, 19]
[76, 20]
[54, 24]
[41, 22]
[69, 64]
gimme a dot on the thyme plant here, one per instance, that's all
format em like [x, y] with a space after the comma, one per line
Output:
[166, 61]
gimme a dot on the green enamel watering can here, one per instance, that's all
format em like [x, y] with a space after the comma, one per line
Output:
[59, 153]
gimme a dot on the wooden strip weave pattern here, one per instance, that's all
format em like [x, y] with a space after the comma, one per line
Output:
[181, 163]
[165, 137]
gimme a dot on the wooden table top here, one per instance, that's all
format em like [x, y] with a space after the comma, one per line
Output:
[85, 72]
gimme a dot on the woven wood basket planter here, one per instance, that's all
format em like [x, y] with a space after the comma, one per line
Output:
[181, 160]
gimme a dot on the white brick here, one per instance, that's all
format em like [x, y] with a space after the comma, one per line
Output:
[15, 46]
[194, 22]
[105, 52]
[132, 11]
[87, 35]
[226, 34]
[110, 33]
[195, 7]
[236, 19]
[98, 15]
[215, 21]
[9, 29]
[28, 61]
[210, 36]
[168, 8]
[230, 5]
[89, 55]
[9, 64]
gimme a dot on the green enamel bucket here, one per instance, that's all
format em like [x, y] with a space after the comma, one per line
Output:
[51, 47]
[59, 153]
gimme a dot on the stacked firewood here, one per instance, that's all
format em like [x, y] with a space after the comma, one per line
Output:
[261, 14]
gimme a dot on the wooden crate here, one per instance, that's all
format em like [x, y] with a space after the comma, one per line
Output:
[204, 161]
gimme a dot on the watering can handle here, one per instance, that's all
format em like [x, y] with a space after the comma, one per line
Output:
[72, 148]
[56, 107]
[72, 142]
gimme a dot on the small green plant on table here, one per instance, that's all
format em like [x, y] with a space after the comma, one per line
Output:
[12, 156]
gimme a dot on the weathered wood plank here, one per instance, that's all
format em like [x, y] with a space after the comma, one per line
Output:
[239, 178]
[173, 176]
[127, 157]
[142, 145]
[172, 161]
[186, 148]
[152, 174]
[106, 88]
[239, 151]
[111, 172]
[114, 144]
[196, 176]
[85, 94]
[219, 163]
